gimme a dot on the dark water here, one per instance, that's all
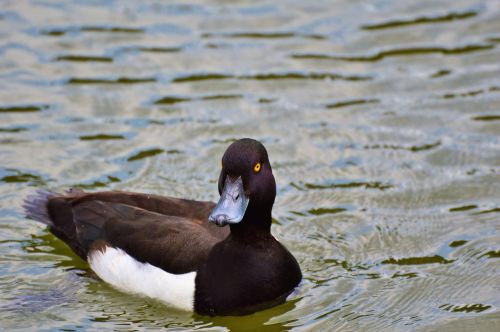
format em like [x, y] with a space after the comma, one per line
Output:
[382, 119]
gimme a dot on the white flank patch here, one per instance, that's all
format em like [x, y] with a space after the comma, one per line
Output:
[117, 268]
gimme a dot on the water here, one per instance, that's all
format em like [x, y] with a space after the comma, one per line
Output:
[381, 118]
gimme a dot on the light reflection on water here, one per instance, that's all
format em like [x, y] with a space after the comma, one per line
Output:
[381, 120]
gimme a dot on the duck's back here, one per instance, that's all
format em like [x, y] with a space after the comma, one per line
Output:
[169, 233]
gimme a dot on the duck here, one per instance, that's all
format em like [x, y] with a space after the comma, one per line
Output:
[213, 259]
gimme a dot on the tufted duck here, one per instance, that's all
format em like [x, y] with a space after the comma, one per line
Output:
[214, 259]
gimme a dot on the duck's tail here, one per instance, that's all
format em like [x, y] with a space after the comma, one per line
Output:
[36, 206]
[54, 210]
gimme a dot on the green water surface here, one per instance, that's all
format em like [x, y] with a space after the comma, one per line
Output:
[381, 118]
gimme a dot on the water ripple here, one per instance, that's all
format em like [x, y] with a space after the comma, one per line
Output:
[119, 80]
[270, 76]
[84, 58]
[421, 20]
[409, 51]
[264, 35]
[56, 32]
[23, 108]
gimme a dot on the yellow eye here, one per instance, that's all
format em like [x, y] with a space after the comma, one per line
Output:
[256, 168]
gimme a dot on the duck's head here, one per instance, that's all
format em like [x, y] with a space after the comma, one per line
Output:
[246, 185]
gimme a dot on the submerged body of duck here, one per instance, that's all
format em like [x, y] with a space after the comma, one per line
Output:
[177, 250]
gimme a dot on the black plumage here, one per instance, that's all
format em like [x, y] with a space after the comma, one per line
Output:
[240, 268]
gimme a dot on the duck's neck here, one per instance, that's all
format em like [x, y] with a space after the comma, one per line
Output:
[255, 223]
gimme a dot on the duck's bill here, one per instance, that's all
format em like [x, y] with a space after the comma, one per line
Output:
[232, 204]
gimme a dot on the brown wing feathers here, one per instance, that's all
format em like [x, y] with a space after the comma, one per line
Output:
[170, 233]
